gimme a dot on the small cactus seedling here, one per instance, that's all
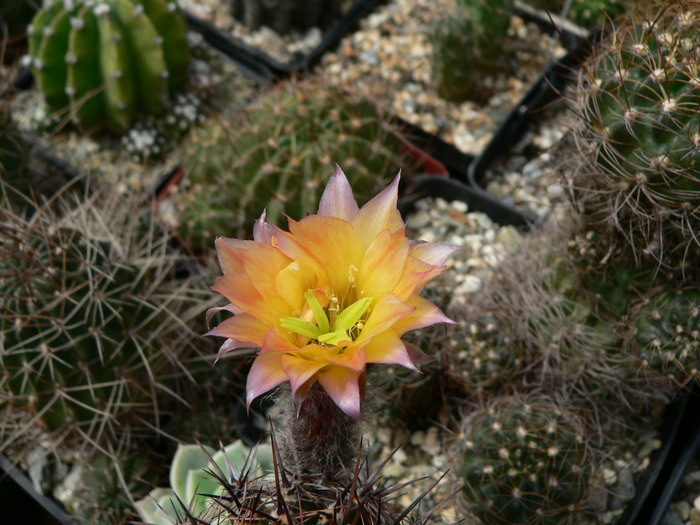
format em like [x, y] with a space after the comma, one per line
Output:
[279, 159]
[93, 327]
[639, 97]
[285, 15]
[467, 44]
[524, 462]
[667, 335]
[103, 61]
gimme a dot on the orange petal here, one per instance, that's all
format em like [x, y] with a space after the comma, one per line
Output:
[352, 357]
[265, 374]
[327, 244]
[380, 213]
[388, 348]
[343, 387]
[238, 288]
[274, 341]
[435, 253]
[385, 314]
[415, 275]
[228, 252]
[261, 265]
[425, 314]
[337, 199]
[380, 269]
[242, 327]
[299, 370]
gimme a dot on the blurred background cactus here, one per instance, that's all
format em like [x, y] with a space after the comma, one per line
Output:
[524, 461]
[467, 45]
[277, 158]
[286, 15]
[101, 63]
[94, 325]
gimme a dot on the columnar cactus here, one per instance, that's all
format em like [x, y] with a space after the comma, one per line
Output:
[667, 335]
[278, 159]
[103, 61]
[91, 324]
[639, 97]
[524, 462]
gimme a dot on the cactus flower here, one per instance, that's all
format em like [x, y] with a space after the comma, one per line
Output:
[334, 293]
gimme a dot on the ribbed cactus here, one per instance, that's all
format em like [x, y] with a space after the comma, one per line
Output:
[524, 462]
[640, 135]
[103, 61]
[278, 158]
[667, 335]
[285, 15]
[467, 44]
[93, 325]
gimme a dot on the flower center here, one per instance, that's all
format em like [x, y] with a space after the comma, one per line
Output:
[333, 326]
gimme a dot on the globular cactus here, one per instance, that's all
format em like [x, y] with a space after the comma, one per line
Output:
[467, 44]
[524, 462]
[93, 328]
[639, 138]
[667, 335]
[285, 15]
[278, 157]
[103, 61]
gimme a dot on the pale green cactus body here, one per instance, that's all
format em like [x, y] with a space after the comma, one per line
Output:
[105, 61]
[191, 481]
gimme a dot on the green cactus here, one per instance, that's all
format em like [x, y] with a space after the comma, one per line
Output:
[279, 159]
[524, 462]
[667, 335]
[286, 15]
[93, 326]
[467, 44]
[639, 141]
[104, 61]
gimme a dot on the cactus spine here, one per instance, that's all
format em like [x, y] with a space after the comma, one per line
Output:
[92, 330]
[667, 335]
[104, 61]
[640, 101]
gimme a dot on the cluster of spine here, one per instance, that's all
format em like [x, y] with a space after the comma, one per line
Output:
[93, 325]
[639, 98]
[524, 462]
[278, 157]
[466, 45]
[101, 62]
[244, 497]
[286, 15]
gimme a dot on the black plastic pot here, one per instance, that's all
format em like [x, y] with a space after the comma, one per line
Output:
[22, 505]
[680, 444]
[547, 89]
[263, 68]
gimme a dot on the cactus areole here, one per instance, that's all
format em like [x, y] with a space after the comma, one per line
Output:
[100, 62]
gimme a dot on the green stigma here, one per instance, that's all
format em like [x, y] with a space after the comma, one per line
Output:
[325, 331]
